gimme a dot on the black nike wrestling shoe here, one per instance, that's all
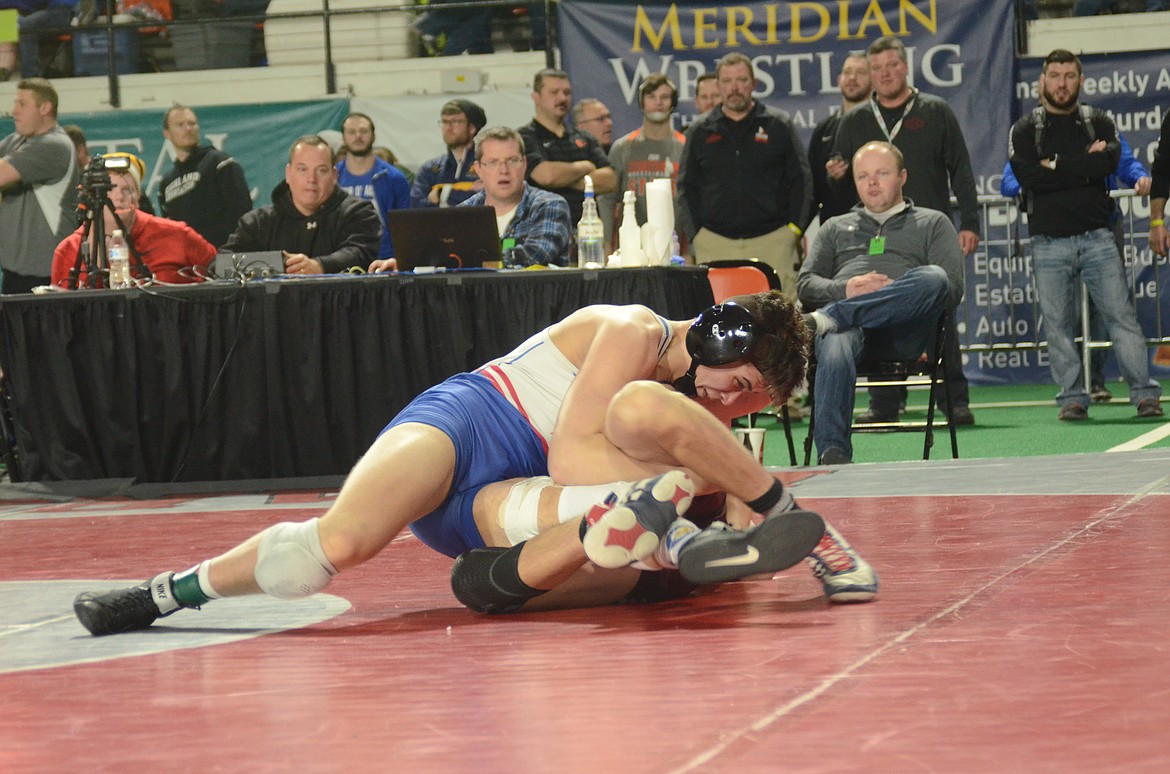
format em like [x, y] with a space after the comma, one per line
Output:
[775, 544]
[128, 609]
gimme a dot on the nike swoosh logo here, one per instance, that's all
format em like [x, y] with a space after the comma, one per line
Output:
[747, 557]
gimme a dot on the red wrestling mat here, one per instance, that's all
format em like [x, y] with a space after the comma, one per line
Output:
[1011, 633]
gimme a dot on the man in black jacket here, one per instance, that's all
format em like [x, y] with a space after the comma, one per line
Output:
[744, 187]
[205, 188]
[1061, 154]
[320, 228]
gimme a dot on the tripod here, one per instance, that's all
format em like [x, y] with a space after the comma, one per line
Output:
[92, 206]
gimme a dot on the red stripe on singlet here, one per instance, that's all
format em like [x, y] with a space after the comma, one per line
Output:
[501, 382]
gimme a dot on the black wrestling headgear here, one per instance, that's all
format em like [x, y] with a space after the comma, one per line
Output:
[721, 335]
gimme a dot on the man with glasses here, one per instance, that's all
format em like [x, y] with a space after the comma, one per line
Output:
[559, 155]
[450, 179]
[591, 116]
[534, 224]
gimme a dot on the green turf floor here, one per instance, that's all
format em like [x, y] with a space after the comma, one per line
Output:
[1012, 421]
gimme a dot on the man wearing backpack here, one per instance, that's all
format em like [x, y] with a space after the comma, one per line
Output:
[1062, 153]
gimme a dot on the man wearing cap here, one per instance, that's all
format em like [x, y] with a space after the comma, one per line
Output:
[168, 251]
[362, 173]
[38, 187]
[451, 179]
[206, 187]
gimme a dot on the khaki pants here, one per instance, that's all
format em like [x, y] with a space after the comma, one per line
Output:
[780, 249]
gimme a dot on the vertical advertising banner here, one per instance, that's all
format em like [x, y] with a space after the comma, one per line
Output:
[960, 50]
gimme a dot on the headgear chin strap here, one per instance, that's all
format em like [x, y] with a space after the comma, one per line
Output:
[724, 334]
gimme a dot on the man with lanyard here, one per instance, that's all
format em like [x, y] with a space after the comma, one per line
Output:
[925, 130]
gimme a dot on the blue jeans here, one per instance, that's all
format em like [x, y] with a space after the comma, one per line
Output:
[1058, 263]
[30, 36]
[894, 323]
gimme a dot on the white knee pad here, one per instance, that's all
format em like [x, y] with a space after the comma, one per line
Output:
[290, 562]
[519, 514]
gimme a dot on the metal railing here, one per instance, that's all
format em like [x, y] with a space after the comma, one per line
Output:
[1000, 311]
[327, 14]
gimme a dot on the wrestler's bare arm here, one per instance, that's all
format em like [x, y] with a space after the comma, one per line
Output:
[613, 346]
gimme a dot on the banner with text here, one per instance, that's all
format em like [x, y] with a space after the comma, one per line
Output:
[960, 50]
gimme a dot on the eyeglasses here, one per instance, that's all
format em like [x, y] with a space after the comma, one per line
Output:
[606, 117]
[452, 121]
[494, 164]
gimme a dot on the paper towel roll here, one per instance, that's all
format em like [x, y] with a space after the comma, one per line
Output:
[659, 220]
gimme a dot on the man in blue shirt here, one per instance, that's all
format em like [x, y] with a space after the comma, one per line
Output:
[362, 174]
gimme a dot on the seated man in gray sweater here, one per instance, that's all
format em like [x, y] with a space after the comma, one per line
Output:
[878, 277]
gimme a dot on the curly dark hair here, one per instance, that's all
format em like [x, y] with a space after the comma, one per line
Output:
[782, 353]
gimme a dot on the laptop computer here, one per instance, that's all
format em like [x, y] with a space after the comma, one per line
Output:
[254, 265]
[448, 237]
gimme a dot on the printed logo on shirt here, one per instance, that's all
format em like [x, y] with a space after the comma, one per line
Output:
[714, 138]
[761, 135]
[312, 224]
[580, 143]
[181, 185]
[915, 124]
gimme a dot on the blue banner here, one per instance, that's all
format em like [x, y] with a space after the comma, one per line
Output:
[960, 50]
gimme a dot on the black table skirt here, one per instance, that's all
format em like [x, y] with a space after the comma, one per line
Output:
[278, 379]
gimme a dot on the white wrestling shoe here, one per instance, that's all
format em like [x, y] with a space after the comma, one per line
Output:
[631, 530]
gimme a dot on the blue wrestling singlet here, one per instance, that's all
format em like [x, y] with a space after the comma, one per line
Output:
[493, 442]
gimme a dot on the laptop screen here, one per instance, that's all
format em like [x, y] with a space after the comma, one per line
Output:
[451, 237]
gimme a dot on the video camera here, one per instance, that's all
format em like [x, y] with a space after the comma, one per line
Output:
[96, 184]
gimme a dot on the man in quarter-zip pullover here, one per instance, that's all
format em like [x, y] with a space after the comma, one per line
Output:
[878, 278]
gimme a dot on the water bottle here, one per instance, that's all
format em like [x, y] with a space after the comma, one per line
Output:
[590, 232]
[118, 257]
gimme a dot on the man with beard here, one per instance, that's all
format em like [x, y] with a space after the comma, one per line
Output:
[205, 188]
[560, 156]
[450, 179]
[1062, 152]
[365, 175]
[926, 131]
[653, 150]
[744, 184]
[853, 80]
[320, 228]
